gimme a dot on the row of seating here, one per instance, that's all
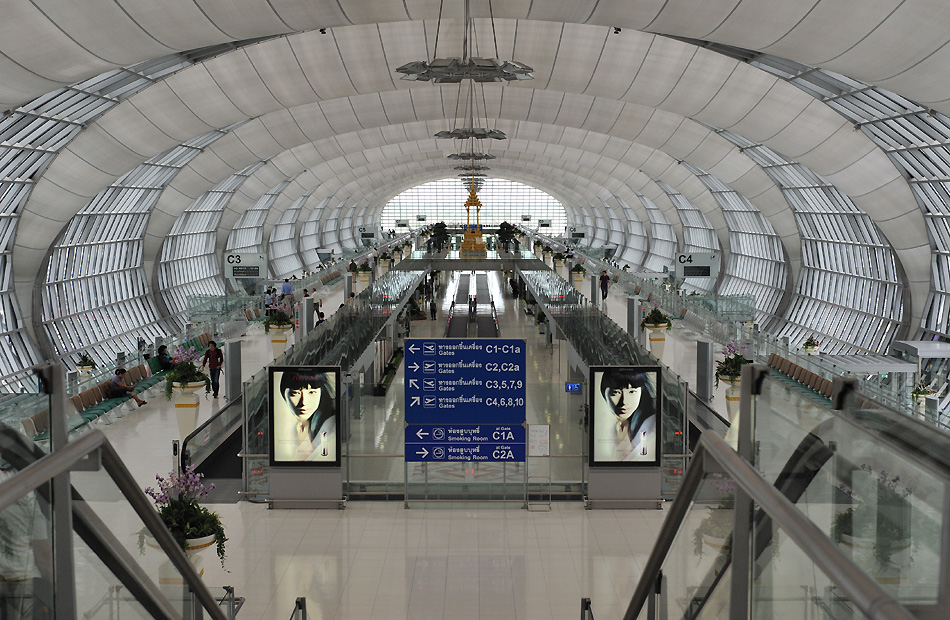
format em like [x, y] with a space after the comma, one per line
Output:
[803, 376]
[95, 401]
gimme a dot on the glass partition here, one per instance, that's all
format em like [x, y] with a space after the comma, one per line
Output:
[598, 340]
[341, 340]
[715, 558]
[104, 516]
[862, 476]
[696, 571]
[84, 554]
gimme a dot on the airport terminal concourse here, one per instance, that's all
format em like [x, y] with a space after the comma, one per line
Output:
[474, 309]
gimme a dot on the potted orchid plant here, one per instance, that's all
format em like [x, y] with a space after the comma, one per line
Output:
[177, 499]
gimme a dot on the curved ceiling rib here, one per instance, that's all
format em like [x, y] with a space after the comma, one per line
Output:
[636, 87]
[823, 33]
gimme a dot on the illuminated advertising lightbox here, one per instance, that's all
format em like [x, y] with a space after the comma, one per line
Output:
[625, 401]
[304, 415]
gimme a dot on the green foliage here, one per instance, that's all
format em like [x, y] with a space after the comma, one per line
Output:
[176, 499]
[578, 268]
[277, 318]
[810, 343]
[656, 317]
[182, 373]
[559, 256]
[506, 232]
[730, 367]
[85, 360]
[920, 390]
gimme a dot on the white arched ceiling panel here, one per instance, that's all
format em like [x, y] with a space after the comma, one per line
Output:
[854, 38]
[776, 19]
[256, 95]
[365, 136]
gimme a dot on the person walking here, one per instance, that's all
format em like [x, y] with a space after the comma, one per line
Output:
[214, 359]
[604, 284]
[432, 309]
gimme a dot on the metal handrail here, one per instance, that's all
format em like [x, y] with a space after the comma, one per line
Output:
[64, 459]
[854, 583]
[184, 457]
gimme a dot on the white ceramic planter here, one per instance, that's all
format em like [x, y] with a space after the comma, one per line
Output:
[657, 339]
[186, 401]
[279, 338]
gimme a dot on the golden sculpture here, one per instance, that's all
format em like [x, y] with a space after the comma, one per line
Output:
[472, 244]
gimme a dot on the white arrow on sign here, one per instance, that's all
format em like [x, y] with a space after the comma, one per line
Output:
[420, 434]
[413, 348]
[424, 453]
[414, 401]
[415, 366]
[414, 383]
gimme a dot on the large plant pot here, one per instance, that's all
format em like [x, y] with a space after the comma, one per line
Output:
[810, 350]
[733, 396]
[279, 337]
[85, 371]
[558, 265]
[168, 575]
[385, 265]
[657, 337]
[186, 400]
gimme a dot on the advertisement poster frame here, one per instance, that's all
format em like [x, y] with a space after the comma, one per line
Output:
[606, 416]
[282, 411]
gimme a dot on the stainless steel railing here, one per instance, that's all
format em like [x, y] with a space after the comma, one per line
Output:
[91, 451]
[713, 454]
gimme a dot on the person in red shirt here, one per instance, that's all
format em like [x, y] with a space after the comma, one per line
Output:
[214, 359]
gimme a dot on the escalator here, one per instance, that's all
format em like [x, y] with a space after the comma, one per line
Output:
[828, 518]
[472, 314]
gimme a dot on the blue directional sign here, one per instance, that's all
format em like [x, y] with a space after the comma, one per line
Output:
[465, 400]
[456, 442]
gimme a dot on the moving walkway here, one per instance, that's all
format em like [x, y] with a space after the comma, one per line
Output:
[472, 313]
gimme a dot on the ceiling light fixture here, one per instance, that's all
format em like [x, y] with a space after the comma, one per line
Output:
[477, 133]
[471, 156]
[453, 70]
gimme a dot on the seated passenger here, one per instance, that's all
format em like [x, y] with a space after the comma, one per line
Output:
[164, 359]
[118, 388]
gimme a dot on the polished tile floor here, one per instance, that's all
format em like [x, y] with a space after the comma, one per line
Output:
[381, 560]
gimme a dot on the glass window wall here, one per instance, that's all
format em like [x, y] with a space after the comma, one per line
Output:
[502, 200]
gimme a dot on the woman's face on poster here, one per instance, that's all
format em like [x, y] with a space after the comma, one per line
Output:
[624, 401]
[305, 400]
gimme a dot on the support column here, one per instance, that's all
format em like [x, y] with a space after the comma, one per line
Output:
[232, 369]
[633, 318]
[705, 370]
[306, 318]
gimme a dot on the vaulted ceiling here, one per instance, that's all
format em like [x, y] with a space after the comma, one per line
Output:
[308, 87]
